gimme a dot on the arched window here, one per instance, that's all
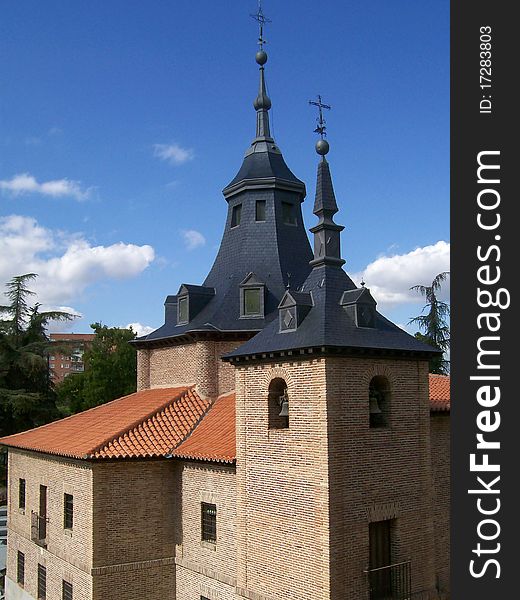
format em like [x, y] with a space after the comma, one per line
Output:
[379, 401]
[278, 404]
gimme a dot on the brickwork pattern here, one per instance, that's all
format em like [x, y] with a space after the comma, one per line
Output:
[312, 489]
[69, 553]
[282, 485]
[379, 470]
[440, 444]
[187, 364]
[213, 484]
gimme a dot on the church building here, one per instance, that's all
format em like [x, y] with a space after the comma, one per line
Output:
[286, 441]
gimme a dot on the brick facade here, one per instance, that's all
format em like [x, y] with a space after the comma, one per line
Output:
[292, 517]
[440, 444]
[306, 494]
[187, 364]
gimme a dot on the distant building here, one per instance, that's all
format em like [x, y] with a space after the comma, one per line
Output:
[61, 365]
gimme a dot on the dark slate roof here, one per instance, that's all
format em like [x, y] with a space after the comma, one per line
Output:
[328, 324]
[264, 162]
[325, 198]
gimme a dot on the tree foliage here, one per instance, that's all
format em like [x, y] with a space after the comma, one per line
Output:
[27, 396]
[433, 321]
[110, 371]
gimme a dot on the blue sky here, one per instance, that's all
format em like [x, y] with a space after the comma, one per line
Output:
[121, 121]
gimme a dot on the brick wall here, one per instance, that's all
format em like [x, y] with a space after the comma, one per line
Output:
[312, 489]
[379, 473]
[282, 485]
[203, 565]
[440, 444]
[135, 532]
[187, 364]
[69, 553]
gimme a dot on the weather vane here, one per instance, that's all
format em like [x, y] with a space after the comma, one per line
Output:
[321, 129]
[261, 20]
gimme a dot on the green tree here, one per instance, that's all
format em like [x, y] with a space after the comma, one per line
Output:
[110, 371]
[433, 321]
[27, 396]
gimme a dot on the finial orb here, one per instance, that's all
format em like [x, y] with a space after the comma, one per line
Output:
[322, 147]
[261, 57]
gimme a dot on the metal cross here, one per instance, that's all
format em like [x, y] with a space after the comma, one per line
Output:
[262, 20]
[321, 129]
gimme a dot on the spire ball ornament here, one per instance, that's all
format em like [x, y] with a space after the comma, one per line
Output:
[261, 57]
[322, 147]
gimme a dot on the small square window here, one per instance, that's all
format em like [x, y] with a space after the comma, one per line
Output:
[42, 582]
[66, 590]
[183, 310]
[209, 522]
[288, 213]
[20, 568]
[236, 215]
[260, 210]
[68, 511]
[21, 493]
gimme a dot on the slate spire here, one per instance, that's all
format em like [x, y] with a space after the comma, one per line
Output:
[262, 103]
[327, 245]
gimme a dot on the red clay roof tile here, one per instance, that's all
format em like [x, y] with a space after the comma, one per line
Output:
[159, 422]
[214, 438]
[128, 427]
[439, 393]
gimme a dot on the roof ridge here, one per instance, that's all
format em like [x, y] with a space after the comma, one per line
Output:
[137, 422]
[190, 433]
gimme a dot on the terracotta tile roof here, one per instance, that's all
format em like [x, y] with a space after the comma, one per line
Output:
[145, 424]
[160, 422]
[214, 437]
[439, 393]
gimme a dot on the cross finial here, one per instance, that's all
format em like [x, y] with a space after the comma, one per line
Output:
[321, 129]
[262, 20]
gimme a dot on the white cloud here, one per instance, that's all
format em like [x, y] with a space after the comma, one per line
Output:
[391, 277]
[173, 153]
[193, 239]
[66, 264]
[140, 329]
[24, 183]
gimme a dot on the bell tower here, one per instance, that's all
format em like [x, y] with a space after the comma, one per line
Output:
[334, 486]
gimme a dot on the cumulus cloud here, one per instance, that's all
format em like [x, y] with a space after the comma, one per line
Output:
[140, 329]
[391, 277]
[173, 153]
[66, 264]
[193, 239]
[24, 183]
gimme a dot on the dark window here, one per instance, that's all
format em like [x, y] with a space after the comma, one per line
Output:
[209, 522]
[204, 598]
[42, 582]
[278, 404]
[66, 591]
[68, 511]
[260, 210]
[20, 568]
[21, 493]
[288, 213]
[183, 310]
[379, 402]
[252, 302]
[236, 215]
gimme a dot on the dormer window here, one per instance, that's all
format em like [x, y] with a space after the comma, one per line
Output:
[236, 215]
[182, 308]
[360, 307]
[252, 293]
[292, 310]
[252, 303]
[288, 213]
